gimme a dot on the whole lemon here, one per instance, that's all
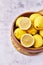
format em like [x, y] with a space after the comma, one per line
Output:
[17, 21]
[18, 33]
[41, 32]
[32, 30]
[38, 23]
[38, 41]
[33, 17]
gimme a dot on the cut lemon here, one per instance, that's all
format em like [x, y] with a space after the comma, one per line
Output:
[27, 40]
[25, 23]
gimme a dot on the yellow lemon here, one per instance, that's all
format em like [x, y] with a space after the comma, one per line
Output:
[27, 40]
[38, 23]
[25, 23]
[41, 32]
[17, 21]
[33, 17]
[38, 41]
[18, 33]
[32, 30]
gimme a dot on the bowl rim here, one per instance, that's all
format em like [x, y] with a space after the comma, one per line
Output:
[16, 41]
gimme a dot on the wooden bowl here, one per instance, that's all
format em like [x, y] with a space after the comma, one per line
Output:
[17, 44]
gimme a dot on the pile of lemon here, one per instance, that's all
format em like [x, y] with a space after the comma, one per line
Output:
[30, 30]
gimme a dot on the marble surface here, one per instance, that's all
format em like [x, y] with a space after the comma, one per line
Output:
[9, 10]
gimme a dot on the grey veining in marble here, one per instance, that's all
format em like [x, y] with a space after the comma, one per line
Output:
[9, 10]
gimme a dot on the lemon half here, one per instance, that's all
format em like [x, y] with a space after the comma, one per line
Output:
[27, 40]
[25, 23]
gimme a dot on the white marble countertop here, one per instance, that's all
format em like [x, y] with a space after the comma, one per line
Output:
[9, 10]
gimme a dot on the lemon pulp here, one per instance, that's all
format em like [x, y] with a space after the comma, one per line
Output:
[27, 40]
[25, 23]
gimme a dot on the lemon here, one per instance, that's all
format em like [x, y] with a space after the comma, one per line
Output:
[33, 17]
[27, 40]
[17, 21]
[18, 33]
[41, 33]
[38, 23]
[38, 41]
[25, 23]
[32, 30]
